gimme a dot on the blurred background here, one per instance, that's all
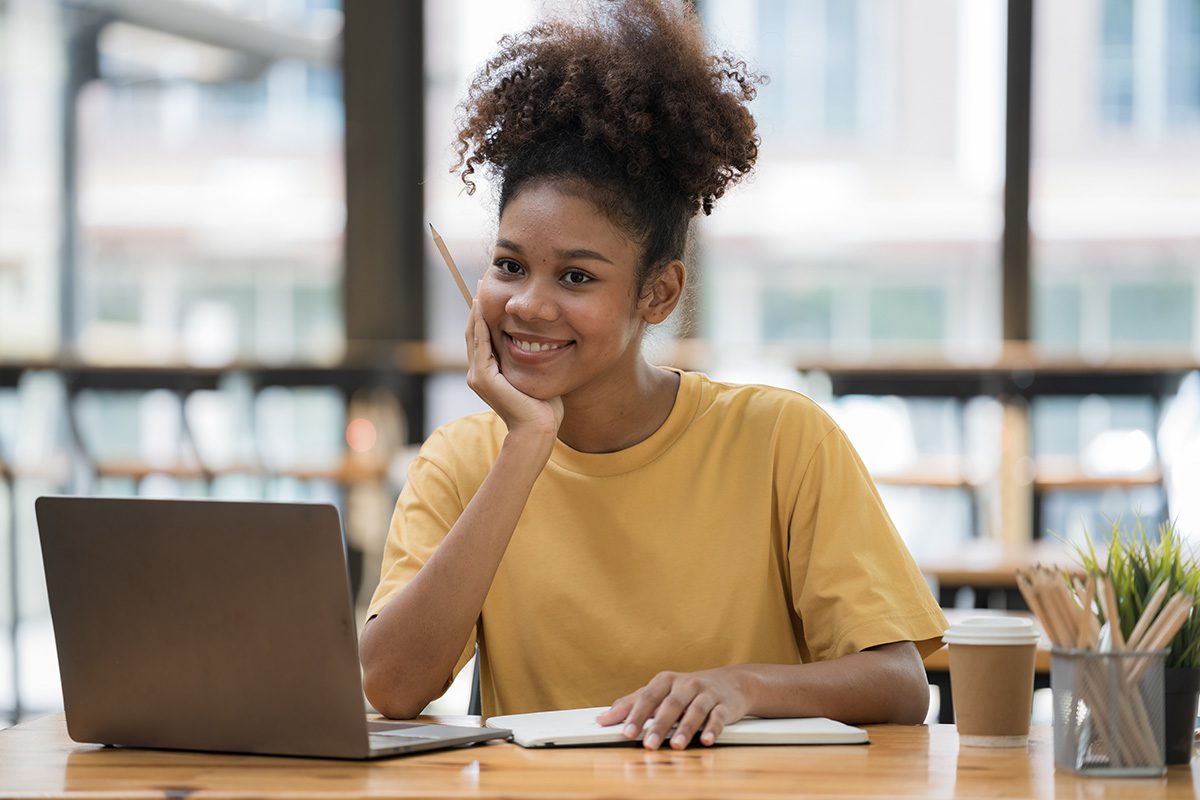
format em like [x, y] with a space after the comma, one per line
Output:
[973, 236]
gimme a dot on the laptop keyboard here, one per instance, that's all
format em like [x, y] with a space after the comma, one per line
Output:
[380, 742]
[382, 735]
[374, 726]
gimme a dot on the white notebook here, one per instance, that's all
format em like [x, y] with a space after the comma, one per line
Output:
[578, 726]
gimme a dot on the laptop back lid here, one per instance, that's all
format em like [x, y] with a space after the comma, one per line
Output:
[204, 625]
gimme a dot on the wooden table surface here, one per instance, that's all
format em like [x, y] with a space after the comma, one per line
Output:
[987, 563]
[37, 759]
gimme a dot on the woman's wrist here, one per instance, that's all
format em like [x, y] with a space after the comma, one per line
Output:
[530, 443]
[748, 680]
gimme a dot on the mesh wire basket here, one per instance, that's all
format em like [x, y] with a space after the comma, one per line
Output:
[1108, 712]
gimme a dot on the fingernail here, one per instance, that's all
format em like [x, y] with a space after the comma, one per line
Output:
[653, 740]
[677, 741]
[707, 738]
[630, 731]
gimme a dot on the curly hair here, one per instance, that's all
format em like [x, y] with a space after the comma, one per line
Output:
[625, 102]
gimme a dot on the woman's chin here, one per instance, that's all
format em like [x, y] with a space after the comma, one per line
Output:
[537, 389]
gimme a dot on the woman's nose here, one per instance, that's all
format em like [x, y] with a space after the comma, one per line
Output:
[532, 301]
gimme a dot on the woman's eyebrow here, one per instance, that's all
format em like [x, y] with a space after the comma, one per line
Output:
[575, 253]
[581, 252]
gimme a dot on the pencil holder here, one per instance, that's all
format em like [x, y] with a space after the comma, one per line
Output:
[1108, 712]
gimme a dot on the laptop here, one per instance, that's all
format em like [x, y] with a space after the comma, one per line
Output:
[211, 625]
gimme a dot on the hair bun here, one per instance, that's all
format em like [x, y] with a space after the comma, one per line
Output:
[632, 77]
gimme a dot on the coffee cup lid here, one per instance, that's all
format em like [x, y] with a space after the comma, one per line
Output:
[992, 630]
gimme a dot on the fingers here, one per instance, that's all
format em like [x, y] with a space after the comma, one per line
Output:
[669, 712]
[472, 312]
[645, 702]
[471, 338]
[697, 711]
[476, 317]
[469, 334]
[678, 706]
[481, 360]
[474, 323]
[482, 338]
[718, 718]
[617, 712]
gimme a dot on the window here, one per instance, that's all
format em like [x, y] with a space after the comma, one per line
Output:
[800, 316]
[1115, 200]
[1116, 63]
[1183, 62]
[815, 52]
[1149, 56]
[905, 314]
[211, 182]
[873, 220]
[1057, 315]
[1152, 312]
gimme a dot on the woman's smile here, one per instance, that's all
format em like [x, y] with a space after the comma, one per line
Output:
[537, 349]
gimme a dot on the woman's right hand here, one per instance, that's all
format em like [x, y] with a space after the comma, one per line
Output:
[419, 634]
[520, 412]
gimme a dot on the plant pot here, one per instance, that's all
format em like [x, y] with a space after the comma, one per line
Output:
[1181, 694]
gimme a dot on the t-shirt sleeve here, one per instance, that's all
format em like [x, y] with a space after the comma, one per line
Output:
[429, 504]
[854, 584]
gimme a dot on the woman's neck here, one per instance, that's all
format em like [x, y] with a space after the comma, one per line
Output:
[620, 414]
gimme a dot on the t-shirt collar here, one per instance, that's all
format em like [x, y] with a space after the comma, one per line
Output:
[687, 400]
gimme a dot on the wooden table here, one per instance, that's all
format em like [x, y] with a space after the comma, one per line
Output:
[986, 566]
[37, 759]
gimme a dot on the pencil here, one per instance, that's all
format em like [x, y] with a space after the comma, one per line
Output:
[458, 278]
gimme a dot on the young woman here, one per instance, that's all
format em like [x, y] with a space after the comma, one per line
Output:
[614, 533]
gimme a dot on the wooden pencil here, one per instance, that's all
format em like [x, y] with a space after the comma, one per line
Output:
[1167, 624]
[1108, 601]
[458, 278]
[1083, 636]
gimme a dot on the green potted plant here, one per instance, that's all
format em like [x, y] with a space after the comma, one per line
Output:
[1137, 566]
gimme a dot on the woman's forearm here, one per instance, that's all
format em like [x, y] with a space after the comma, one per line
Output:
[409, 650]
[883, 684]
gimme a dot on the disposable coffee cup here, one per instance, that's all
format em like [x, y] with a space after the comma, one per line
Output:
[991, 679]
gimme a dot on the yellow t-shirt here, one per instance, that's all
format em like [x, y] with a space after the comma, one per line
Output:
[744, 530]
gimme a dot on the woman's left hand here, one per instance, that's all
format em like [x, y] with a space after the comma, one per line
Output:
[694, 701]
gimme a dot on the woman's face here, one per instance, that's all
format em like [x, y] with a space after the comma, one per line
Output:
[559, 297]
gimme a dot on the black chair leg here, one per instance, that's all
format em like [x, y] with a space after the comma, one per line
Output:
[475, 708]
[945, 699]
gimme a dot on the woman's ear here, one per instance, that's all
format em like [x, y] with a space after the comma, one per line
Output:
[663, 293]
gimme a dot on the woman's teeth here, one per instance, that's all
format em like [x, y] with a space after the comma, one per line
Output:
[536, 347]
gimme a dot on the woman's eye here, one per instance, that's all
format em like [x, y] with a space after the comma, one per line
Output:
[508, 266]
[576, 278]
